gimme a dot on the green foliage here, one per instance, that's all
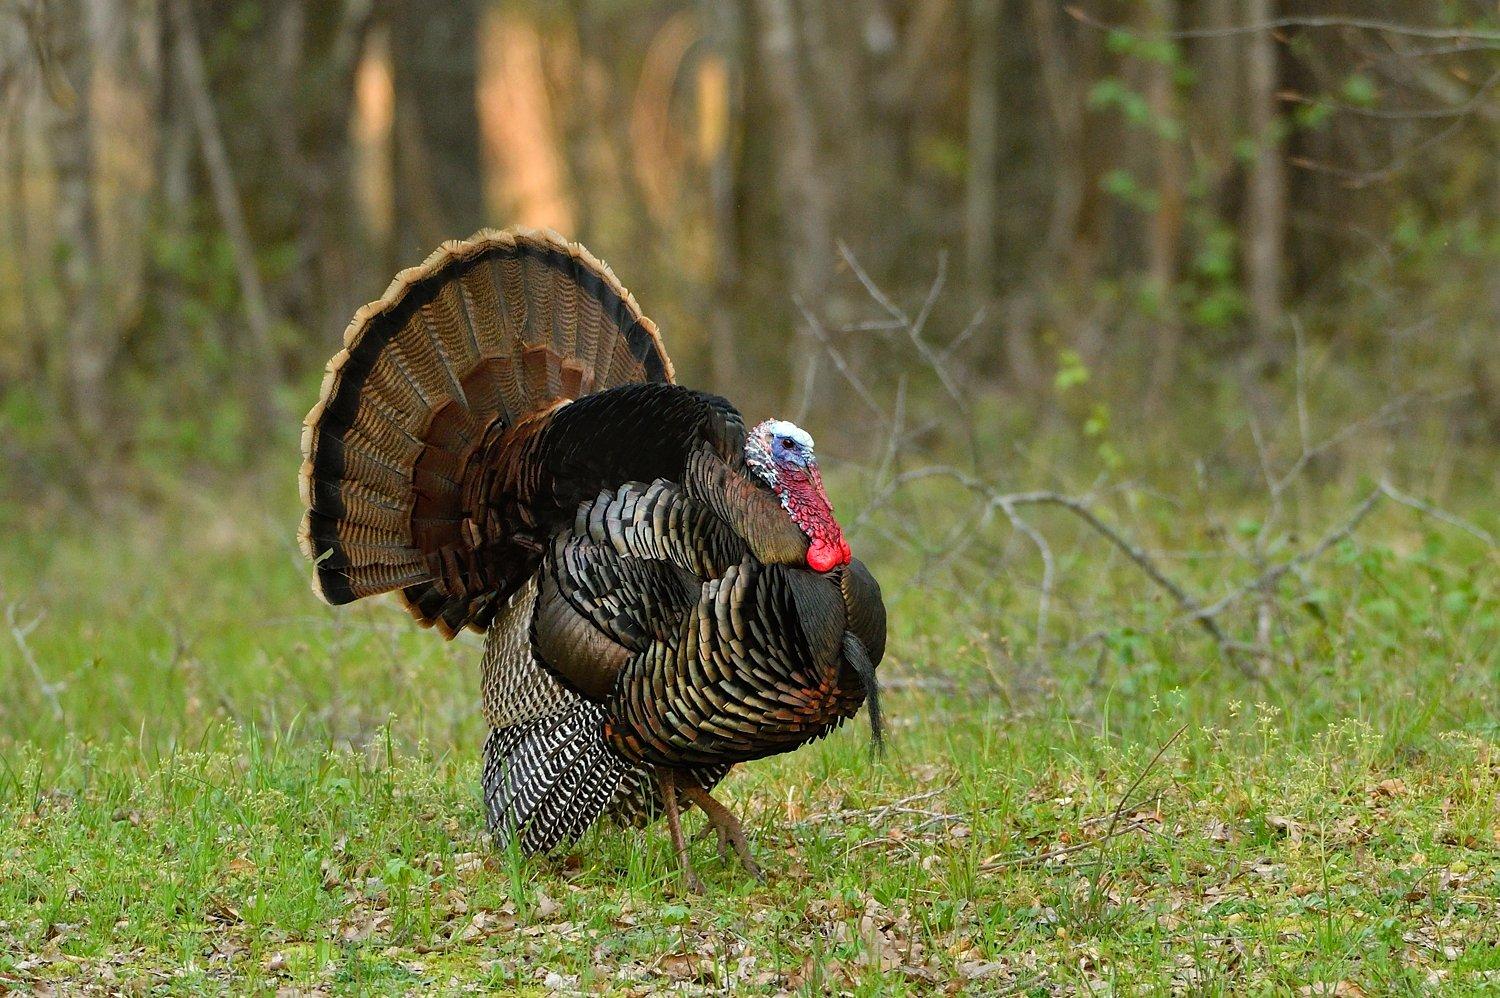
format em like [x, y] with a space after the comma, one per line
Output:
[1071, 370]
[1359, 90]
[944, 155]
[1123, 184]
[1112, 93]
[1314, 116]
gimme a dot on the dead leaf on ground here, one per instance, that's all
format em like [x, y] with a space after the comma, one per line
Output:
[545, 906]
[975, 970]
[1337, 989]
[688, 967]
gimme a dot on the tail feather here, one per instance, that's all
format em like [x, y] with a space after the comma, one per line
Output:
[546, 781]
[491, 329]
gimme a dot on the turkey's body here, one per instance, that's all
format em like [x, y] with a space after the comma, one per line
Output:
[501, 444]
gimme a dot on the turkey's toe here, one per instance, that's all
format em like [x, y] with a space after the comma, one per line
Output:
[731, 833]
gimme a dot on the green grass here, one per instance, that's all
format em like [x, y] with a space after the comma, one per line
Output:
[231, 787]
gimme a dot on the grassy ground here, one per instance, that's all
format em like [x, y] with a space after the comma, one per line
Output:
[210, 782]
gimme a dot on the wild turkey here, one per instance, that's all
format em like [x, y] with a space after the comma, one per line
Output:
[664, 593]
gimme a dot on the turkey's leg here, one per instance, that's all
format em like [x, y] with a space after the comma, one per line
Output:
[668, 781]
[726, 824]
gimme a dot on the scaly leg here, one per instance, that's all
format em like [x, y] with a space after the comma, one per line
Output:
[726, 824]
[668, 781]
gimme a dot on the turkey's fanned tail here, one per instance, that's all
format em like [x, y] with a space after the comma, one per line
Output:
[487, 333]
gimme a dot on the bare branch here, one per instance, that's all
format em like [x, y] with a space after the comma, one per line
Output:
[1080, 508]
[1049, 571]
[1188, 603]
[1356, 179]
[1395, 495]
[1386, 415]
[1268, 579]
[1492, 38]
[20, 632]
[816, 331]
[871, 288]
[1271, 555]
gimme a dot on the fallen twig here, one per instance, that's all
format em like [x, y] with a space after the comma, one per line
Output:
[20, 633]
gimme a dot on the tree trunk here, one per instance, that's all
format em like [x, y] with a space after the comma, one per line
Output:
[89, 351]
[332, 244]
[1264, 222]
[1164, 247]
[260, 377]
[981, 197]
[439, 184]
[1218, 92]
[723, 350]
[802, 190]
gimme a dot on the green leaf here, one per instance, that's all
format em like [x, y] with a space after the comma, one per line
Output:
[1359, 90]
[1070, 370]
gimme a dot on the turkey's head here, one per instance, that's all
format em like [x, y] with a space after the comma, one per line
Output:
[780, 454]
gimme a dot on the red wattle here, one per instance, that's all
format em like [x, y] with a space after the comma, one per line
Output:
[822, 556]
[802, 494]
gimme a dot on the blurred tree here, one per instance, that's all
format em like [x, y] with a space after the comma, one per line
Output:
[1163, 62]
[260, 375]
[721, 107]
[88, 341]
[1265, 202]
[982, 201]
[802, 181]
[439, 190]
[1143, 183]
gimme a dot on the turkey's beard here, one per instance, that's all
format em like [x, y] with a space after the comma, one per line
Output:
[802, 496]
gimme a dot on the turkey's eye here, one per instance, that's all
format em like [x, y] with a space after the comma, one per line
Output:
[786, 444]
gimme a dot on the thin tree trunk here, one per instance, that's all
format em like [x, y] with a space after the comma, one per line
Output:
[1164, 247]
[1218, 92]
[261, 377]
[984, 147]
[723, 350]
[1073, 158]
[175, 190]
[439, 184]
[18, 201]
[1069, 162]
[1264, 219]
[89, 352]
[608, 117]
[332, 244]
[803, 192]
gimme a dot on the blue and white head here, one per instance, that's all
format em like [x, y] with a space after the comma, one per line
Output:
[777, 443]
[780, 454]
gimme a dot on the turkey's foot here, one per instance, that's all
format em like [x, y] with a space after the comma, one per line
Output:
[668, 781]
[709, 828]
[728, 827]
